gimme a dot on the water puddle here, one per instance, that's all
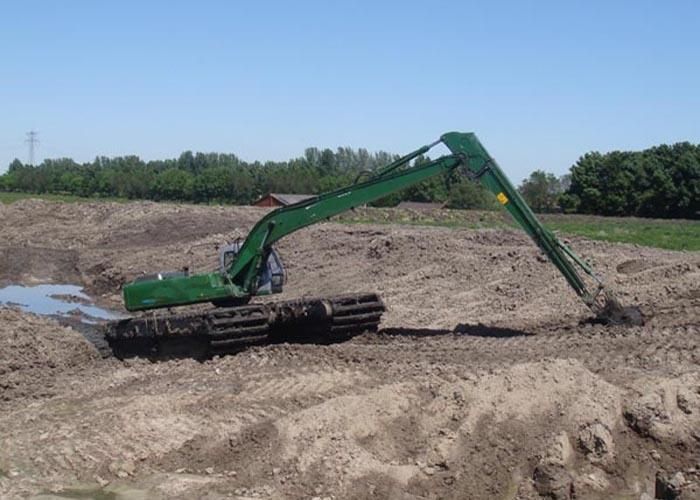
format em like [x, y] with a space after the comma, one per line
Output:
[55, 300]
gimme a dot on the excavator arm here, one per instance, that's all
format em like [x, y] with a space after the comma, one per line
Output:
[283, 221]
[468, 155]
[480, 166]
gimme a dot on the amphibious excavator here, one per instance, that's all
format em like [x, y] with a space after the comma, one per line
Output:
[253, 268]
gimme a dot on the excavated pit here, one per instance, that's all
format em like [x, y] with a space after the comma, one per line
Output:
[485, 380]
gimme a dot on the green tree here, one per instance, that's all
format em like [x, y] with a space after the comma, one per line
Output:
[541, 191]
[15, 165]
[663, 181]
[468, 194]
[173, 184]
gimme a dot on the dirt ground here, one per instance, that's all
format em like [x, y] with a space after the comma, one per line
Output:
[485, 381]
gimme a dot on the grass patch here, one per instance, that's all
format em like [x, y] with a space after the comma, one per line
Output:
[452, 224]
[670, 235]
[659, 233]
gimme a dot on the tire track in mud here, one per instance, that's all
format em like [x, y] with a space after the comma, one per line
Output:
[372, 361]
[604, 350]
[303, 383]
[246, 438]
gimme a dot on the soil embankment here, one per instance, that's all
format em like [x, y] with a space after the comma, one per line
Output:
[484, 382]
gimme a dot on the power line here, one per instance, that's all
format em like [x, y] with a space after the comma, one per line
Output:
[33, 141]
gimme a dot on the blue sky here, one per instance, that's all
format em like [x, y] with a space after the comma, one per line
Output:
[540, 82]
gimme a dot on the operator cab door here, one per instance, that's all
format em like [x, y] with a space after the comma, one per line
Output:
[271, 275]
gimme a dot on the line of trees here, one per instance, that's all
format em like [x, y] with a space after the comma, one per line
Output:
[225, 178]
[662, 181]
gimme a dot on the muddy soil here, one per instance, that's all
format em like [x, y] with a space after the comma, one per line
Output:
[485, 381]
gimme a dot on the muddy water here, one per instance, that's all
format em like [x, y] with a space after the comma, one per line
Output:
[55, 300]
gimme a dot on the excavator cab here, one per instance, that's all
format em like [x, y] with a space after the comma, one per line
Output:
[272, 275]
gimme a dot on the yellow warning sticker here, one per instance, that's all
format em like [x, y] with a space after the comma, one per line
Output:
[503, 199]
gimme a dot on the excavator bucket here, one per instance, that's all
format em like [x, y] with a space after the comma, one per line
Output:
[612, 312]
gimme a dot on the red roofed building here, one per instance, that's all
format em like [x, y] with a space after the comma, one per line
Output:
[281, 199]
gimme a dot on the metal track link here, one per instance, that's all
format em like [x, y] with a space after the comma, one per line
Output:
[355, 314]
[231, 329]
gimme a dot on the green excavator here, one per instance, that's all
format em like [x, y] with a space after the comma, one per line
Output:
[253, 268]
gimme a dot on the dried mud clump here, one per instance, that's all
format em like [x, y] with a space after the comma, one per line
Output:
[596, 441]
[668, 411]
[553, 481]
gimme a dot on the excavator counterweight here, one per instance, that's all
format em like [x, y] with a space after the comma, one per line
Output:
[253, 268]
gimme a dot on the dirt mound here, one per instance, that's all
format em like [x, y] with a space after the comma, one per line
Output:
[428, 437]
[486, 380]
[31, 264]
[34, 351]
